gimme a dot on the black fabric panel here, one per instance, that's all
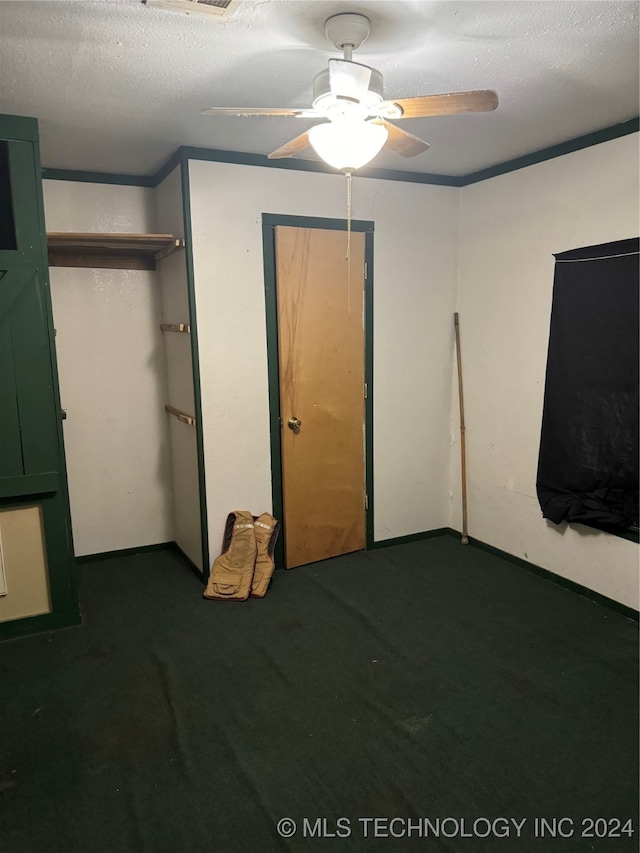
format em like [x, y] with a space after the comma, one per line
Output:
[588, 462]
[424, 680]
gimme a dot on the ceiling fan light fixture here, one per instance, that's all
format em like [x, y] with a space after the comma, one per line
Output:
[341, 88]
[348, 145]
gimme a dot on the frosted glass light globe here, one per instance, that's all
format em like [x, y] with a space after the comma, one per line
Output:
[348, 145]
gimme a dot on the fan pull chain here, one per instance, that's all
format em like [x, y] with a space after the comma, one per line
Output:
[348, 243]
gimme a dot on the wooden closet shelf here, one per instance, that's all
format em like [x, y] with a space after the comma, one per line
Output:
[110, 251]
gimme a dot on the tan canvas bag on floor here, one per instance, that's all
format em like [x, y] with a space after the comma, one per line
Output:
[266, 530]
[232, 572]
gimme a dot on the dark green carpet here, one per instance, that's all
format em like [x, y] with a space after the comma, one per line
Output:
[427, 680]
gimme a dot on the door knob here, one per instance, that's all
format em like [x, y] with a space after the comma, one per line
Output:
[294, 424]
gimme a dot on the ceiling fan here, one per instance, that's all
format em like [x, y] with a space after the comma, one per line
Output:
[348, 98]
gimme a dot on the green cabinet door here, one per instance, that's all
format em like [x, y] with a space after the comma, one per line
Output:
[32, 466]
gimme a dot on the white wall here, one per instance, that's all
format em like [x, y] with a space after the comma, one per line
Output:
[415, 250]
[172, 273]
[510, 226]
[505, 234]
[112, 377]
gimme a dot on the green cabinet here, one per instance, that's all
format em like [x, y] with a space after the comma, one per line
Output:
[32, 466]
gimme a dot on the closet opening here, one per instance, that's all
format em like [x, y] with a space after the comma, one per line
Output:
[123, 337]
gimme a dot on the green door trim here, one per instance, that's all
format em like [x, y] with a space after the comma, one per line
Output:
[195, 361]
[269, 222]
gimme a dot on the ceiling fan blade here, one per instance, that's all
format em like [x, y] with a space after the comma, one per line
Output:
[348, 79]
[482, 100]
[290, 148]
[403, 143]
[258, 111]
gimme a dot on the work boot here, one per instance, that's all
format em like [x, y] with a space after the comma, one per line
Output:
[232, 571]
[266, 529]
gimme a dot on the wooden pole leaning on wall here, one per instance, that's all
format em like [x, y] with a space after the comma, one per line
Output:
[463, 452]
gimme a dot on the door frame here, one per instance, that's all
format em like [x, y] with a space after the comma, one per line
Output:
[269, 223]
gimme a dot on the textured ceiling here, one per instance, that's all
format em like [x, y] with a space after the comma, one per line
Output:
[118, 86]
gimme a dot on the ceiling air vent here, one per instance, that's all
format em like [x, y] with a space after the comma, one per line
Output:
[220, 10]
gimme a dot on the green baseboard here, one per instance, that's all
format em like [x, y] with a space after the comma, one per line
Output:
[412, 537]
[53, 621]
[123, 552]
[591, 594]
[37, 624]
[142, 549]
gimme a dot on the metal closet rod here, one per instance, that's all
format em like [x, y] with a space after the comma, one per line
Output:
[183, 417]
[175, 327]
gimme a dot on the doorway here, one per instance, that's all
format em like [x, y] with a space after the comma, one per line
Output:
[320, 354]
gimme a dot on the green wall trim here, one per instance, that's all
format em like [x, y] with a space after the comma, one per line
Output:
[409, 177]
[98, 177]
[141, 549]
[412, 537]
[37, 624]
[269, 221]
[217, 155]
[584, 591]
[164, 171]
[19, 127]
[195, 359]
[240, 158]
[245, 158]
[580, 142]
[123, 552]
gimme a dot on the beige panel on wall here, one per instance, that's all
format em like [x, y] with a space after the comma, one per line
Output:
[25, 563]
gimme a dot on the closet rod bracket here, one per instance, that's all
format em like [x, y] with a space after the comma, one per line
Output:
[176, 327]
[183, 417]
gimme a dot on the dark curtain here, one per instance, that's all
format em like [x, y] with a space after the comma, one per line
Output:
[588, 462]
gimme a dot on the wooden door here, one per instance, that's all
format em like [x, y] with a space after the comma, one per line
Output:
[320, 304]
